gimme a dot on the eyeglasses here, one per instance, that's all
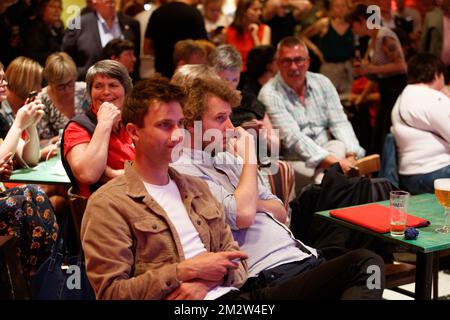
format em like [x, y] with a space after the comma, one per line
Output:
[63, 86]
[299, 61]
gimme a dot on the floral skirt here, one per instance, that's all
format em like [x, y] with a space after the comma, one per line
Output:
[27, 214]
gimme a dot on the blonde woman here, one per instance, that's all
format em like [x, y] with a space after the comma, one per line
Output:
[63, 97]
[19, 113]
[25, 211]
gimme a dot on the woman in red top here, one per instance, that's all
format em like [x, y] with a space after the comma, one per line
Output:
[100, 156]
[247, 31]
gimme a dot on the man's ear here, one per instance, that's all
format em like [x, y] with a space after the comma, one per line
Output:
[132, 131]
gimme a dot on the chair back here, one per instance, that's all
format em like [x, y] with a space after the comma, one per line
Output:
[282, 182]
[368, 165]
[77, 205]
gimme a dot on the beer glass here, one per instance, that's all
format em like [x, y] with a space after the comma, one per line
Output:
[442, 191]
[398, 216]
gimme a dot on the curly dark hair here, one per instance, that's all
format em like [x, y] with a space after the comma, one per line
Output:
[198, 93]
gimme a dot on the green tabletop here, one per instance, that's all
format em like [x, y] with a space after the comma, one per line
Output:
[424, 206]
[47, 172]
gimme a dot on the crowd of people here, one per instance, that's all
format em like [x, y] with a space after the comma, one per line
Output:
[169, 118]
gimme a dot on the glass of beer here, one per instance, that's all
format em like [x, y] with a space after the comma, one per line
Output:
[442, 191]
[398, 208]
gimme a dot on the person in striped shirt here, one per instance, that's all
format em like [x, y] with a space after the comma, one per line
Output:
[305, 108]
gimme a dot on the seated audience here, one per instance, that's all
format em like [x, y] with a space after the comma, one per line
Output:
[121, 50]
[13, 128]
[186, 261]
[195, 257]
[188, 52]
[421, 127]
[63, 97]
[24, 77]
[247, 31]
[306, 109]
[25, 212]
[251, 114]
[253, 213]
[95, 145]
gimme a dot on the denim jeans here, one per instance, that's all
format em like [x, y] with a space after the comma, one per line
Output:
[423, 183]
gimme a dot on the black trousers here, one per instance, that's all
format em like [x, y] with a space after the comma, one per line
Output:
[346, 277]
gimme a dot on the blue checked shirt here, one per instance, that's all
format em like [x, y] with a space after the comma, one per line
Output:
[267, 242]
[304, 129]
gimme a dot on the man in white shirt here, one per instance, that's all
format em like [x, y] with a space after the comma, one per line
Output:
[154, 233]
[255, 215]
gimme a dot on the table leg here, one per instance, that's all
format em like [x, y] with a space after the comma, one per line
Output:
[424, 275]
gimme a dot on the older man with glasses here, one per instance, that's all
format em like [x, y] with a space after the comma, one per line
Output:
[305, 107]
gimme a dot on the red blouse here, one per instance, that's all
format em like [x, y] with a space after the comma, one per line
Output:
[243, 43]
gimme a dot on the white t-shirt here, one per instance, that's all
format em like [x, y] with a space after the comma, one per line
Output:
[426, 111]
[169, 198]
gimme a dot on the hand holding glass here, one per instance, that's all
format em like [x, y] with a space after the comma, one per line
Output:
[442, 191]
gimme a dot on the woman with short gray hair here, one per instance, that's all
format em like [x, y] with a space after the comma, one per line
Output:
[96, 145]
[111, 69]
